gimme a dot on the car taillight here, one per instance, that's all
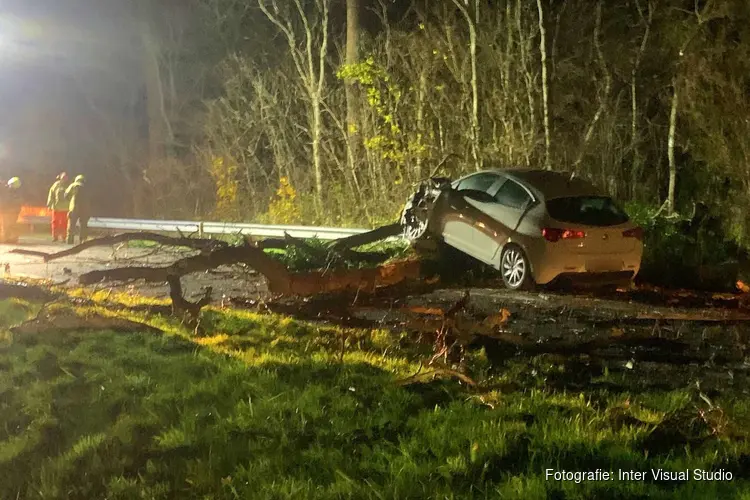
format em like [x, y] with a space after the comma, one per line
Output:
[636, 232]
[554, 234]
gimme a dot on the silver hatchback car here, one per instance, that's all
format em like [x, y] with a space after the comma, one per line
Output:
[535, 226]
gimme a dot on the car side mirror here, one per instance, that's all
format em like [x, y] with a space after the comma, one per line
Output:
[476, 195]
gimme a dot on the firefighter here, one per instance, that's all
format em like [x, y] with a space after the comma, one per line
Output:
[79, 209]
[57, 205]
[10, 207]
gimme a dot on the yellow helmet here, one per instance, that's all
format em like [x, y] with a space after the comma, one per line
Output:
[79, 178]
[14, 183]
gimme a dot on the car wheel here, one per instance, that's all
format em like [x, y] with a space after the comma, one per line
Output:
[415, 229]
[415, 220]
[515, 269]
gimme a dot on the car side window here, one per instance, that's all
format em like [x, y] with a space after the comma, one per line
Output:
[478, 182]
[511, 194]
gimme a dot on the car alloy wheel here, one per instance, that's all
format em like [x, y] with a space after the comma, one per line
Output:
[415, 225]
[514, 268]
[415, 218]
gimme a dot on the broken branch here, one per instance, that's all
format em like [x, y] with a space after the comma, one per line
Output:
[377, 234]
[194, 243]
[25, 291]
[254, 257]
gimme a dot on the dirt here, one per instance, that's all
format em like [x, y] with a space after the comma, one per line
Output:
[667, 338]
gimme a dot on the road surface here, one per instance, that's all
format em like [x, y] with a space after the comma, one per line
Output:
[242, 282]
[67, 269]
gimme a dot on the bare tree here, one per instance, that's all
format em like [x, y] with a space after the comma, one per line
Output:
[545, 84]
[604, 93]
[636, 167]
[701, 17]
[353, 8]
[309, 57]
[471, 22]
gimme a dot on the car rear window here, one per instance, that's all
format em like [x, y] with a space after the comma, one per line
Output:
[588, 210]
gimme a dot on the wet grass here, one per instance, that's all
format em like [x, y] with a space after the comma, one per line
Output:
[262, 406]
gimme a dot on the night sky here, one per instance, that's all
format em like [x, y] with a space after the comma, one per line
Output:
[69, 80]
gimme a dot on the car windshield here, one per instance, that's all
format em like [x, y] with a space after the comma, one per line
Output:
[587, 210]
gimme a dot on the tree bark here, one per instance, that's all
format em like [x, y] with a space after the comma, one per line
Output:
[471, 22]
[607, 86]
[636, 167]
[216, 254]
[350, 86]
[545, 85]
[317, 163]
[194, 243]
[368, 237]
[670, 148]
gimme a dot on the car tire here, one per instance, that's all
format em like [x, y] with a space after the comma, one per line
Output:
[515, 269]
[415, 222]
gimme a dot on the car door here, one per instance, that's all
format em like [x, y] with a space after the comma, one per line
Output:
[463, 212]
[500, 218]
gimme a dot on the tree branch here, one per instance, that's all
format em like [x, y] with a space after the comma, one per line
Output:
[194, 243]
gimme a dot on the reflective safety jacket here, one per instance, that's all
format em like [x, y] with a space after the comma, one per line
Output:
[56, 198]
[78, 196]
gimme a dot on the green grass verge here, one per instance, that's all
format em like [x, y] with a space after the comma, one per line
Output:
[264, 407]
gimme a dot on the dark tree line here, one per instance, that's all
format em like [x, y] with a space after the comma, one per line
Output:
[277, 109]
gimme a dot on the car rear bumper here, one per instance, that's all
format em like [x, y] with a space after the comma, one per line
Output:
[548, 266]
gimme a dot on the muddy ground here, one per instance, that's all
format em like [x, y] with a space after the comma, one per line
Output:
[638, 344]
[654, 338]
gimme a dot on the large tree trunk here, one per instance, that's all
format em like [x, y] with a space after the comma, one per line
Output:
[604, 96]
[670, 148]
[471, 21]
[475, 148]
[317, 164]
[637, 165]
[545, 85]
[352, 97]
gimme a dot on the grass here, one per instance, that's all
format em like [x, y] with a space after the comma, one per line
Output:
[266, 407]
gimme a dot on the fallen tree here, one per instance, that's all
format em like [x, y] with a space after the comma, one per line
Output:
[328, 254]
[201, 244]
[376, 234]
[215, 253]
[25, 291]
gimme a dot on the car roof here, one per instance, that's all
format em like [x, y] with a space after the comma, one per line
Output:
[549, 184]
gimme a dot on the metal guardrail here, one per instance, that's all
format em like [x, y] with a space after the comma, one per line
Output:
[187, 227]
[203, 228]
